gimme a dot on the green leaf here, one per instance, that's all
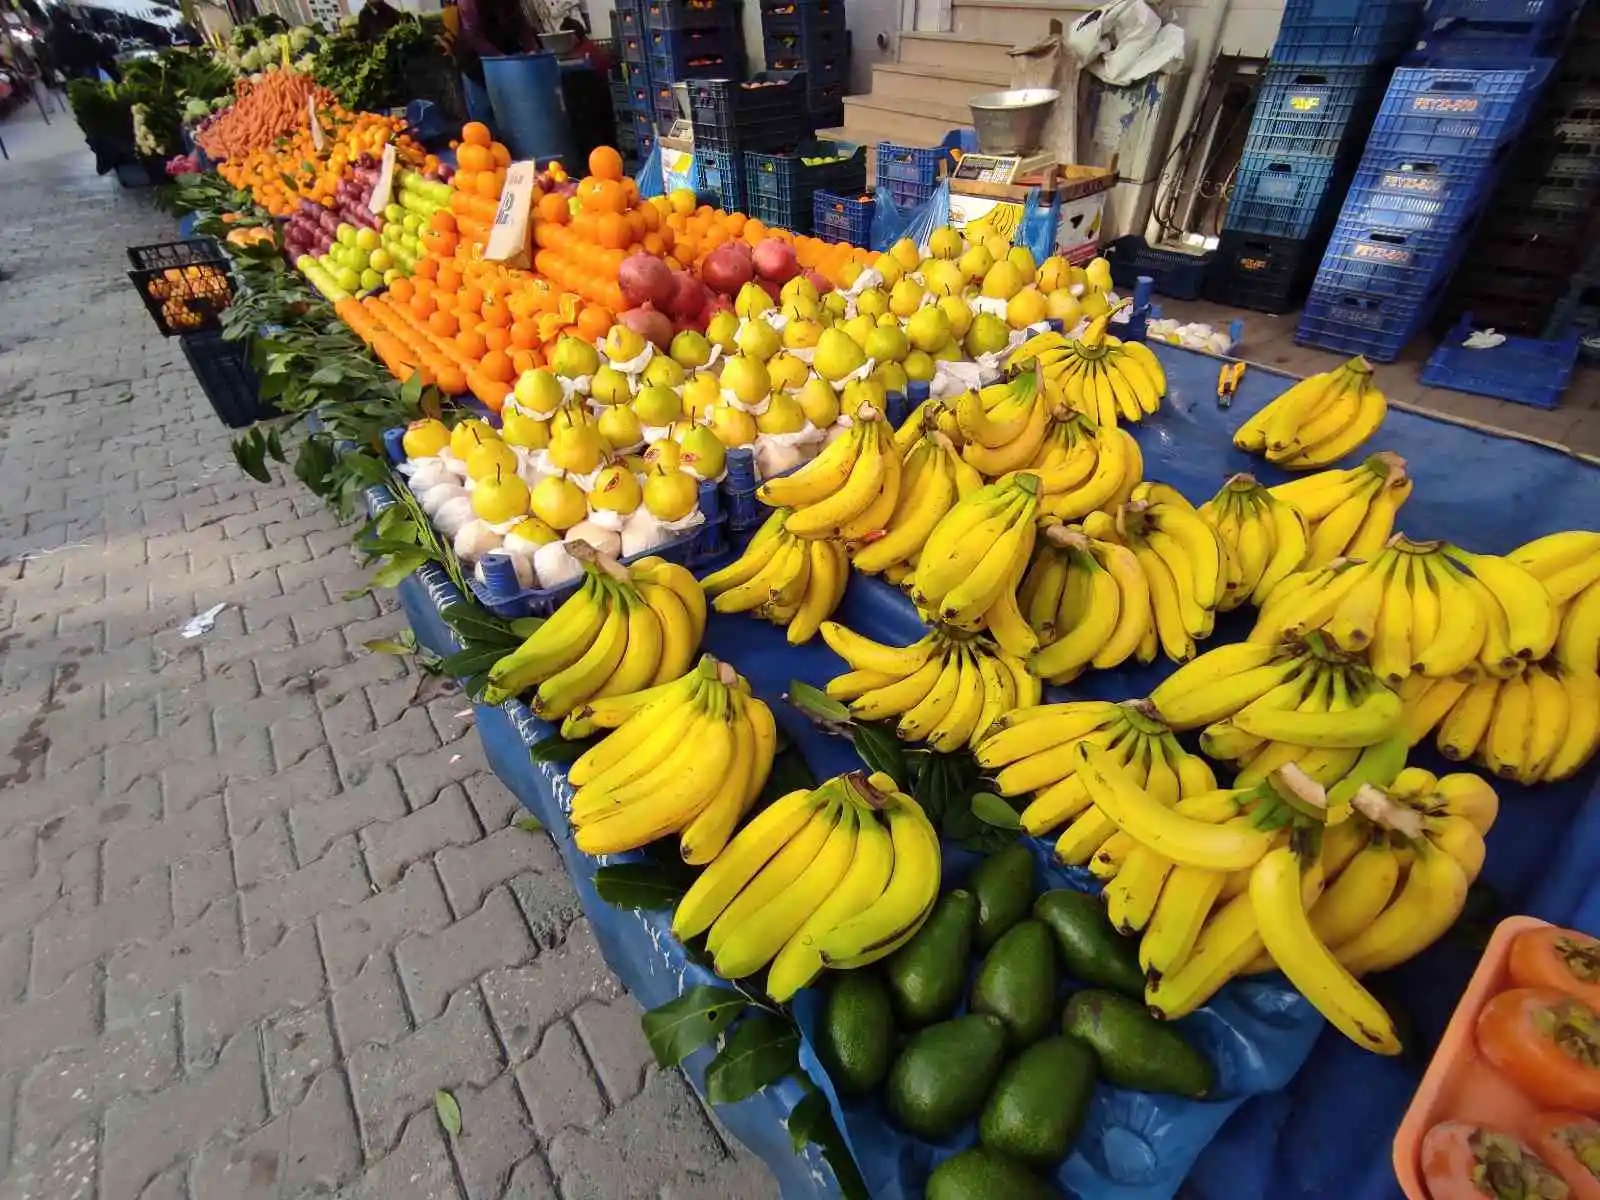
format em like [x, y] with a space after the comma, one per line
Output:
[761, 1050]
[250, 452]
[529, 824]
[397, 569]
[679, 1027]
[816, 703]
[652, 886]
[525, 627]
[556, 749]
[992, 810]
[449, 1113]
[275, 446]
[880, 750]
[809, 1119]
[812, 1123]
[398, 647]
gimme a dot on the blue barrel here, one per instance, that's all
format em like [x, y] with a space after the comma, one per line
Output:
[529, 113]
[477, 99]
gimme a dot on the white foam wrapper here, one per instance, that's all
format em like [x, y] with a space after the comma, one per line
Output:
[555, 565]
[953, 378]
[453, 515]
[521, 564]
[992, 305]
[577, 386]
[515, 543]
[860, 372]
[607, 518]
[602, 537]
[655, 433]
[424, 473]
[797, 448]
[755, 410]
[475, 539]
[454, 465]
[435, 497]
[804, 353]
[636, 364]
[868, 279]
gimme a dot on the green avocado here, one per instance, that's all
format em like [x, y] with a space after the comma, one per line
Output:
[1134, 1049]
[856, 1037]
[1017, 983]
[1039, 1103]
[944, 1073]
[979, 1174]
[1092, 951]
[1003, 885]
[926, 975]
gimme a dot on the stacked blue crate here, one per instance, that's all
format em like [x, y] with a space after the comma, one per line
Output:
[693, 39]
[1438, 142]
[1328, 69]
[810, 36]
[764, 113]
[633, 50]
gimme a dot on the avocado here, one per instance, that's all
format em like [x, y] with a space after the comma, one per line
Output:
[1134, 1049]
[856, 1037]
[943, 1074]
[1017, 983]
[1039, 1103]
[926, 975]
[1003, 885]
[979, 1174]
[1092, 951]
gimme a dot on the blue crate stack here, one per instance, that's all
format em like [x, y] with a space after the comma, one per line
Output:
[1544, 216]
[1435, 150]
[731, 116]
[781, 188]
[692, 39]
[633, 52]
[1327, 73]
[810, 36]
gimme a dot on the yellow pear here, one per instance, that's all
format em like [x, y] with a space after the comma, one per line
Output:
[501, 496]
[945, 243]
[889, 267]
[623, 344]
[690, 349]
[998, 245]
[747, 379]
[959, 312]
[1093, 304]
[615, 490]
[758, 340]
[699, 394]
[531, 530]
[1098, 274]
[1002, 282]
[860, 392]
[752, 301]
[837, 353]
[489, 456]
[574, 357]
[786, 371]
[704, 453]
[664, 371]
[424, 438]
[558, 502]
[657, 405]
[892, 375]
[1053, 274]
[538, 391]
[834, 305]
[723, 330]
[576, 448]
[988, 335]
[906, 298]
[1064, 307]
[464, 438]
[1026, 308]
[783, 415]
[944, 278]
[860, 328]
[1021, 258]
[906, 254]
[802, 308]
[929, 328]
[874, 302]
[518, 429]
[888, 343]
[849, 273]
[819, 402]
[801, 335]
[796, 288]
[664, 455]
[919, 366]
[733, 426]
[610, 386]
[975, 263]
[670, 494]
[620, 427]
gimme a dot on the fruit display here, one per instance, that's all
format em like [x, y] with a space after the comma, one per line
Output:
[1349, 513]
[625, 630]
[1318, 420]
[1568, 565]
[790, 581]
[187, 297]
[1540, 725]
[833, 877]
[1096, 374]
[1264, 539]
[942, 691]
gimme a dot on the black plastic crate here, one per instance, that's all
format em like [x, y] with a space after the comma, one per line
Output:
[1579, 312]
[1175, 273]
[766, 112]
[793, 18]
[185, 285]
[721, 177]
[679, 54]
[226, 378]
[781, 186]
[812, 48]
[689, 14]
[1319, 112]
[1260, 272]
[826, 106]
[634, 49]
[1485, 44]
[630, 23]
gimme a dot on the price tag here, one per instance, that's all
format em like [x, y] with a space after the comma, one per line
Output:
[508, 236]
[316, 126]
[383, 190]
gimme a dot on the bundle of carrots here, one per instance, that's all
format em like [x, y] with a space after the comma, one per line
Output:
[266, 110]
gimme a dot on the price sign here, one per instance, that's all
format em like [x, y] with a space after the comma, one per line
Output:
[508, 236]
[383, 190]
[316, 127]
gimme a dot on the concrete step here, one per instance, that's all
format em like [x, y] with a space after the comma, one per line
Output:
[923, 82]
[1012, 21]
[908, 122]
[955, 52]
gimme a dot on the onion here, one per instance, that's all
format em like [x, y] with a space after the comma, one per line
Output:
[645, 279]
[728, 268]
[649, 324]
[776, 261]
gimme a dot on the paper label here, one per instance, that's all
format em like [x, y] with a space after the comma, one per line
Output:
[316, 126]
[508, 236]
[383, 190]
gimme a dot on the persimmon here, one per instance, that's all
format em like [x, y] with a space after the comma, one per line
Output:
[1456, 1156]
[1563, 959]
[1547, 1043]
[476, 133]
[1570, 1144]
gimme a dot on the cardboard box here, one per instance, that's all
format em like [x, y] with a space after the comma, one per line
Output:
[677, 162]
[1079, 190]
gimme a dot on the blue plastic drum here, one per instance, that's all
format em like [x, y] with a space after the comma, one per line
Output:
[529, 113]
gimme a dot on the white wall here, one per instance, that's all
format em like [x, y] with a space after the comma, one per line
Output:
[1249, 28]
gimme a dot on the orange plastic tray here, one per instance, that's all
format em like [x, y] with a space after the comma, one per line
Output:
[1459, 1085]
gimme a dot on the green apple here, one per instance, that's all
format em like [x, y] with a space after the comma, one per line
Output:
[347, 279]
[392, 274]
[345, 235]
[368, 239]
[370, 279]
[411, 222]
[380, 260]
[393, 212]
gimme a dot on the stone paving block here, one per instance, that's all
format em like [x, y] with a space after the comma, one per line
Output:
[200, 881]
[530, 1180]
[615, 1041]
[267, 851]
[389, 1082]
[252, 801]
[370, 1008]
[297, 1048]
[392, 846]
[496, 807]
[469, 872]
[137, 973]
[63, 942]
[222, 1003]
[495, 1135]
[351, 936]
[434, 966]
[559, 1085]
[418, 1166]
[131, 855]
[64, 1170]
[336, 880]
[309, 1150]
[16, 953]
[424, 776]
[320, 821]
[527, 1000]
[550, 905]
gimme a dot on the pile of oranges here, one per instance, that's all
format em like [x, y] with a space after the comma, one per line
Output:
[580, 247]
[480, 176]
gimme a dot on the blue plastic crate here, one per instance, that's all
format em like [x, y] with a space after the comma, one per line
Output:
[1404, 191]
[1439, 112]
[836, 218]
[1315, 111]
[765, 112]
[783, 184]
[1285, 195]
[634, 50]
[1345, 32]
[794, 18]
[1351, 321]
[909, 173]
[722, 178]
[1486, 44]
[1389, 262]
[1176, 273]
[1522, 370]
[630, 22]
[689, 14]
[695, 53]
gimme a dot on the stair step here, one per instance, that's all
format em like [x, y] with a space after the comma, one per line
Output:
[1014, 21]
[925, 82]
[957, 52]
[915, 124]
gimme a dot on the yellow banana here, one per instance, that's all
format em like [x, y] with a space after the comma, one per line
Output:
[751, 849]
[875, 931]
[1434, 893]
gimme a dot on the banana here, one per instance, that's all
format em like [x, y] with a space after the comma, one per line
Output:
[1015, 453]
[1132, 894]
[629, 734]
[799, 963]
[679, 635]
[1317, 496]
[1550, 711]
[1373, 407]
[1075, 647]
[1463, 624]
[997, 427]
[817, 480]
[1218, 683]
[1556, 552]
[773, 879]
[1041, 730]
[1004, 620]
[705, 836]
[959, 539]
[1274, 425]
[827, 517]
[999, 694]
[1200, 546]
[1356, 619]
[1530, 612]
[1286, 931]
[964, 604]
[758, 937]
[1505, 749]
[780, 573]
[1432, 897]
[1578, 643]
[1582, 736]
[1227, 943]
[904, 904]
[1424, 604]
[562, 692]
[824, 589]
[1391, 642]
[1116, 456]
[874, 519]
[1369, 722]
[1355, 898]
[1134, 615]
[852, 685]
[900, 696]
[740, 861]
[921, 718]
[956, 728]
[1191, 611]
[864, 654]
[1225, 847]
[1377, 526]
[1165, 605]
[1055, 806]
[920, 507]
[1331, 536]
[1465, 725]
[554, 646]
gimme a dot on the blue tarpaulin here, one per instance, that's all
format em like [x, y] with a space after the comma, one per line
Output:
[1328, 1132]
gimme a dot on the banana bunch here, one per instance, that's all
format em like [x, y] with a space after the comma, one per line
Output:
[1538, 726]
[1183, 561]
[1004, 425]
[687, 757]
[1326, 905]
[849, 491]
[624, 630]
[1028, 751]
[1349, 513]
[1084, 466]
[1319, 420]
[1096, 374]
[788, 580]
[1264, 705]
[933, 478]
[1088, 604]
[1568, 564]
[1426, 607]
[839, 877]
[940, 691]
[973, 561]
[1266, 539]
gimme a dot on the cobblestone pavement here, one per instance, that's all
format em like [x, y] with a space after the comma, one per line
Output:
[256, 905]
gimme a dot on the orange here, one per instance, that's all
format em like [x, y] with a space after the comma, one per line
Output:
[496, 365]
[636, 226]
[586, 224]
[440, 245]
[471, 344]
[553, 208]
[594, 322]
[609, 197]
[469, 299]
[443, 221]
[735, 223]
[427, 268]
[630, 192]
[449, 277]
[654, 245]
[475, 158]
[443, 324]
[497, 316]
[605, 162]
[502, 155]
[651, 216]
[587, 187]
[476, 133]
[402, 289]
[611, 230]
[686, 247]
[452, 380]
[423, 307]
[754, 231]
[496, 338]
[524, 335]
[525, 360]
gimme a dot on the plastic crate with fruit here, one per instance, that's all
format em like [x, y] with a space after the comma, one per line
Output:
[780, 187]
[184, 285]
